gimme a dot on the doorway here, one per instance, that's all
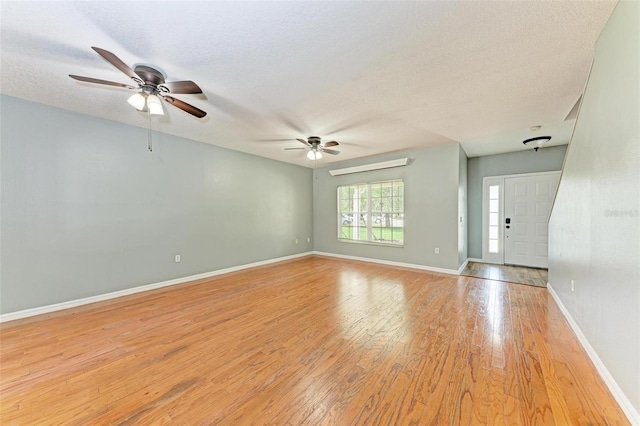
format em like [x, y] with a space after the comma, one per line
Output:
[514, 274]
[515, 217]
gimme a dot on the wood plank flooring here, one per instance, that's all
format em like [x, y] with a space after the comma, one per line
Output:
[313, 341]
[510, 273]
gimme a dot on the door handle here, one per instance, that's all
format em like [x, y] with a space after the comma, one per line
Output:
[508, 227]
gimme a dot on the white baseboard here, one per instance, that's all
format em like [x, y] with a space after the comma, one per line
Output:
[464, 265]
[389, 262]
[101, 297]
[473, 259]
[621, 398]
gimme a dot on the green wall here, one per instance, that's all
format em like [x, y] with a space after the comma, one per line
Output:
[88, 210]
[594, 230]
[431, 207]
[544, 160]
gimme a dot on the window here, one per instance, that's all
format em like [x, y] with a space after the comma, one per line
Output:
[372, 212]
[494, 212]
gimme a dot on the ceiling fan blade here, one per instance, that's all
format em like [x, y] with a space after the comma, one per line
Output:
[303, 141]
[331, 143]
[184, 106]
[187, 87]
[98, 81]
[331, 151]
[117, 62]
[289, 149]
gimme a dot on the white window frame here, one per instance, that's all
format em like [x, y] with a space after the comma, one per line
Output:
[487, 256]
[370, 240]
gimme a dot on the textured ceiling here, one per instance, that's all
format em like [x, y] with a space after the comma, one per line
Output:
[375, 76]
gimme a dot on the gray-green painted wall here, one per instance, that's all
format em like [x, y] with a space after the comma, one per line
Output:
[594, 228]
[431, 207]
[87, 210]
[545, 160]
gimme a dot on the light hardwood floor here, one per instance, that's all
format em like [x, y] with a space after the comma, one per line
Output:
[510, 273]
[312, 341]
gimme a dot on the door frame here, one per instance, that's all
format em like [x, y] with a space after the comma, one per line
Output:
[491, 258]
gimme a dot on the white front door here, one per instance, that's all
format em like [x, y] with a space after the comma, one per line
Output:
[527, 207]
[525, 202]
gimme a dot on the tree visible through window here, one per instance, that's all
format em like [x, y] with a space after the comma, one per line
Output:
[372, 212]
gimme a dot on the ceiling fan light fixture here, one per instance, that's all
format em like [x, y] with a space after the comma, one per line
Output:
[536, 143]
[313, 144]
[314, 155]
[137, 101]
[154, 105]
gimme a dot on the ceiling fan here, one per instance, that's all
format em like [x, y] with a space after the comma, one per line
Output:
[316, 147]
[150, 87]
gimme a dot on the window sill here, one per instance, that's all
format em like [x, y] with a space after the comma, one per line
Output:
[371, 243]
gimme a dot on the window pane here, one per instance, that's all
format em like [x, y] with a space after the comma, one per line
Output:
[387, 204]
[397, 235]
[360, 233]
[363, 197]
[372, 212]
[345, 205]
[376, 204]
[345, 192]
[398, 204]
[493, 219]
[346, 232]
[377, 233]
[398, 219]
[346, 218]
[494, 192]
[494, 206]
[376, 190]
[493, 232]
[493, 246]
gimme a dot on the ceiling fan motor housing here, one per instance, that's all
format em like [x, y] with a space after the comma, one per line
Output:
[314, 141]
[151, 76]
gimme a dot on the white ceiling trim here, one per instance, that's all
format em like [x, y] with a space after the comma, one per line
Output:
[368, 167]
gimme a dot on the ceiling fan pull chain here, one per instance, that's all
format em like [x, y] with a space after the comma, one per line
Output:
[149, 133]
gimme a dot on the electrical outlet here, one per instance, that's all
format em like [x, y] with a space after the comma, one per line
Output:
[308, 239]
[178, 258]
[573, 285]
[296, 241]
[437, 250]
